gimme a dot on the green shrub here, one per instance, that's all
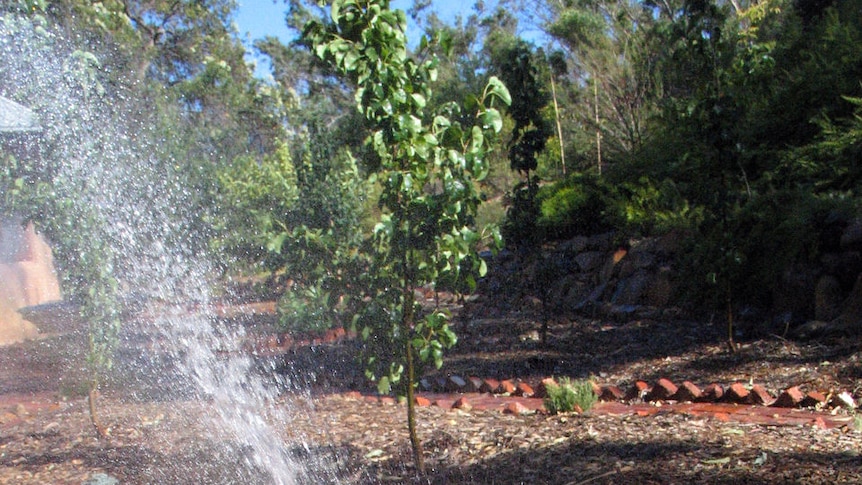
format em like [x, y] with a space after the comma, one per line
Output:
[579, 205]
[570, 395]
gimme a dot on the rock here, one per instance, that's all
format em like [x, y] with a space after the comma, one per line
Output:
[661, 391]
[575, 245]
[660, 291]
[589, 261]
[828, 297]
[687, 392]
[844, 266]
[634, 261]
[851, 316]
[793, 294]
[789, 398]
[852, 236]
[630, 291]
[601, 242]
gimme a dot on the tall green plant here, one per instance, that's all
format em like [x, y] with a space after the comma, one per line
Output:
[428, 166]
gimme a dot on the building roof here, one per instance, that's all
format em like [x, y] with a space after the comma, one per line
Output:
[16, 118]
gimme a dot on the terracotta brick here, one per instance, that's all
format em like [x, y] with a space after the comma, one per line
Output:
[353, 395]
[661, 391]
[813, 399]
[611, 393]
[524, 389]
[387, 400]
[597, 389]
[507, 387]
[490, 385]
[759, 395]
[422, 401]
[443, 403]
[515, 407]
[638, 390]
[542, 391]
[463, 404]
[789, 398]
[737, 393]
[456, 384]
[330, 336]
[474, 384]
[425, 384]
[687, 392]
[711, 393]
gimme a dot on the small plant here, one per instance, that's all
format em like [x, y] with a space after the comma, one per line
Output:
[570, 395]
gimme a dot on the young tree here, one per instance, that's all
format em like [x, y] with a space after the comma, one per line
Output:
[428, 167]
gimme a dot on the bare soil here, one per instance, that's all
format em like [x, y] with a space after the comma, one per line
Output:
[160, 434]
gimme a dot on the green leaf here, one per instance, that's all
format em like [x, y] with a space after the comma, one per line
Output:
[491, 118]
[383, 385]
[498, 89]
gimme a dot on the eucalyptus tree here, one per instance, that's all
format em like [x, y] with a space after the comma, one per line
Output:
[611, 65]
[427, 166]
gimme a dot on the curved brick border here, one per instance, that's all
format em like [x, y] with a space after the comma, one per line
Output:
[662, 391]
[737, 401]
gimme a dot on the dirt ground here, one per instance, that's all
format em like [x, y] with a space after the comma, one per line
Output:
[159, 434]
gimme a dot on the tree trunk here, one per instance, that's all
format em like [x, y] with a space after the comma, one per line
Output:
[94, 416]
[559, 126]
[418, 457]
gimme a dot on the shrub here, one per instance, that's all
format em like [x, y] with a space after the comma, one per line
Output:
[580, 204]
[570, 395]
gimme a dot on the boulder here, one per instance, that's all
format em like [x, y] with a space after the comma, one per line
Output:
[828, 297]
[851, 238]
[630, 291]
[589, 261]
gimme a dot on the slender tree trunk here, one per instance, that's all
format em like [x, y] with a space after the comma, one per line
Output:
[411, 413]
[559, 126]
[94, 416]
[730, 341]
[407, 323]
[598, 130]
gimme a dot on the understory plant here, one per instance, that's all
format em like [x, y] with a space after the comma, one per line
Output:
[570, 395]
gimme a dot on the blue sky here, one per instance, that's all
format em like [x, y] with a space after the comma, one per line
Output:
[259, 18]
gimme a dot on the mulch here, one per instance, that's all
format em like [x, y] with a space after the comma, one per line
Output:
[333, 436]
